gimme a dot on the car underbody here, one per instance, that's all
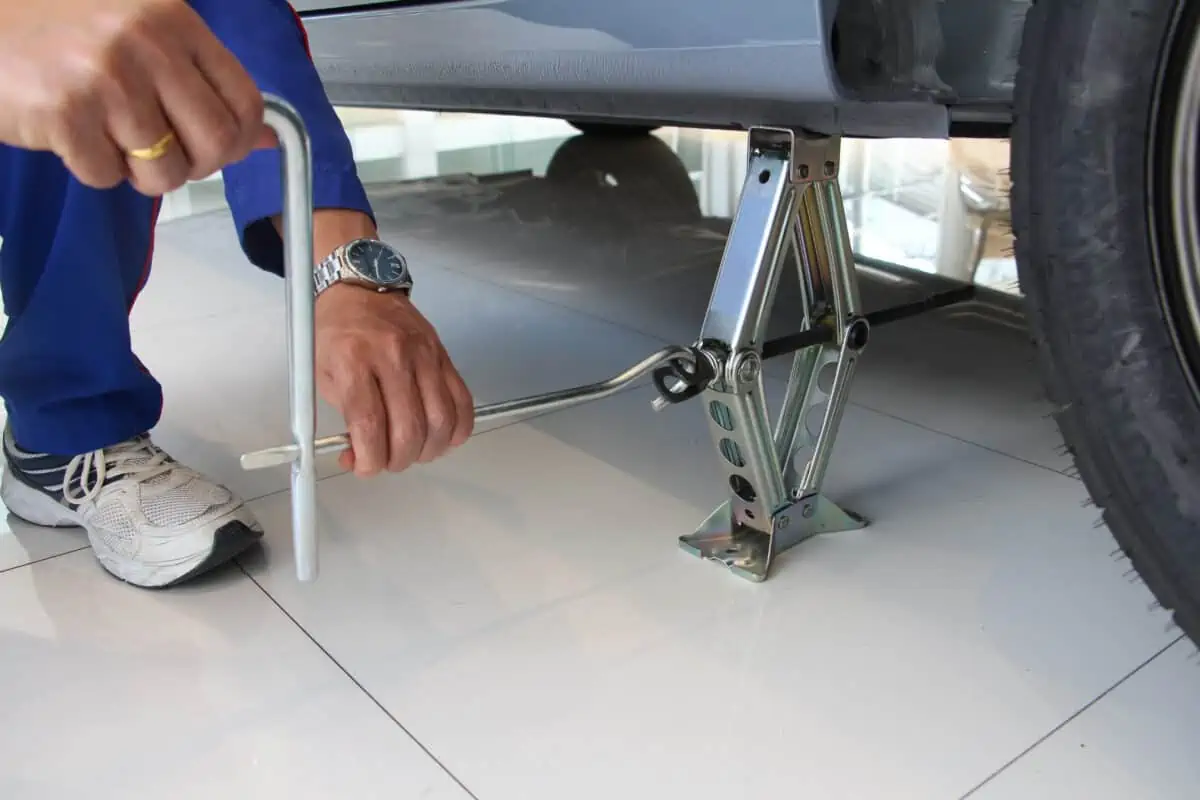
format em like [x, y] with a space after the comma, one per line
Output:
[878, 68]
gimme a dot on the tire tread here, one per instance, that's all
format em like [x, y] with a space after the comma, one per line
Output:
[1100, 425]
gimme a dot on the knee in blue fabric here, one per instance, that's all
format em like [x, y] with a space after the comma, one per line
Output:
[72, 262]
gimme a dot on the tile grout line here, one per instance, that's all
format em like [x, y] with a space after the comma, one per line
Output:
[1075, 715]
[357, 683]
[15, 567]
[956, 438]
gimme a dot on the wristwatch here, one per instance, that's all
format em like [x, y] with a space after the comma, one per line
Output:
[369, 263]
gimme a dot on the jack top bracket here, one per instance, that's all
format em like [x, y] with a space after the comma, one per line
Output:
[813, 157]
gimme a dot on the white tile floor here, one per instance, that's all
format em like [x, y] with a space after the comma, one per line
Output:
[516, 620]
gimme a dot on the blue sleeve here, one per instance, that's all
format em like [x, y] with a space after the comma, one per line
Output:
[269, 39]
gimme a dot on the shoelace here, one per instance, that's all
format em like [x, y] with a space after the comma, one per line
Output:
[139, 460]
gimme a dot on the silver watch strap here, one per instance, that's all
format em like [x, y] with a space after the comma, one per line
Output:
[326, 273]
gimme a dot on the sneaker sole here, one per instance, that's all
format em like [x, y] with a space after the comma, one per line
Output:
[228, 541]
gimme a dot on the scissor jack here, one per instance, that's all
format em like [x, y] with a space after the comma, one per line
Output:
[790, 212]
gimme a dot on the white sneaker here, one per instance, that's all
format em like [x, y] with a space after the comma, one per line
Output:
[151, 521]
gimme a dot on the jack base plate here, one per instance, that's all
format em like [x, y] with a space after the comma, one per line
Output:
[747, 551]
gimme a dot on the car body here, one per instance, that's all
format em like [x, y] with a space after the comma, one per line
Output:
[881, 68]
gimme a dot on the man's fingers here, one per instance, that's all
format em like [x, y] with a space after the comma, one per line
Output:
[137, 89]
[405, 408]
[136, 121]
[366, 420]
[426, 407]
[208, 133]
[83, 144]
[267, 140]
[441, 413]
[240, 95]
[155, 177]
[464, 404]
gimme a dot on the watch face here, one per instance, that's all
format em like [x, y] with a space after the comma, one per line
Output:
[378, 263]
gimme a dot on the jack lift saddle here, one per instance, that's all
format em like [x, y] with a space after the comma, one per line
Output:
[790, 214]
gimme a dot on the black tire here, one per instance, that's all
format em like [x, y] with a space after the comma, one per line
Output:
[1096, 269]
[643, 170]
[593, 128]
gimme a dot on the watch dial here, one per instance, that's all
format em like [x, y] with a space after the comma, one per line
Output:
[378, 263]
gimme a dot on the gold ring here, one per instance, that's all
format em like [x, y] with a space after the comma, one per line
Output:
[154, 151]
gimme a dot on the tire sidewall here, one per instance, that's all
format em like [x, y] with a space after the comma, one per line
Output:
[1081, 206]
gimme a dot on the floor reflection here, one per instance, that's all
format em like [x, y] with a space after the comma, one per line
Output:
[930, 205]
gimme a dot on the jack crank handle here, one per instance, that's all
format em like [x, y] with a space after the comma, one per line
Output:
[296, 174]
[494, 412]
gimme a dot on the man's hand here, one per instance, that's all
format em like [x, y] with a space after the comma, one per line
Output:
[381, 364]
[93, 80]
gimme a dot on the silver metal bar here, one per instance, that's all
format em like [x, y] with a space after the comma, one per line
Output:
[835, 405]
[749, 272]
[791, 423]
[804, 362]
[737, 317]
[824, 253]
[835, 240]
[831, 212]
[492, 412]
[806, 394]
[296, 176]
